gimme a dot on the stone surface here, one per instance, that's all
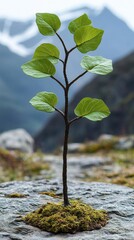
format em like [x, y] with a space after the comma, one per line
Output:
[125, 143]
[74, 147]
[77, 164]
[117, 200]
[17, 139]
[103, 137]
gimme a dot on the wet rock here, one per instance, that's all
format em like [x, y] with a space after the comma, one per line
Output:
[17, 139]
[117, 200]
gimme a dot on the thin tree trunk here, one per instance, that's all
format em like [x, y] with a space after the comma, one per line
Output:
[65, 149]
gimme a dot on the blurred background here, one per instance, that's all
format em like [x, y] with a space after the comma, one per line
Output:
[97, 151]
[18, 39]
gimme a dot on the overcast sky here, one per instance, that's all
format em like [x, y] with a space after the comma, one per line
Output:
[25, 9]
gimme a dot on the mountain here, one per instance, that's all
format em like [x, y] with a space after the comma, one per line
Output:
[117, 90]
[18, 41]
[16, 89]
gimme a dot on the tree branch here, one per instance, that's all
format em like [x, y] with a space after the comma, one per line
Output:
[59, 111]
[65, 61]
[74, 119]
[62, 42]
[61, 60]
[81, 75]
[58, 82]
[72, 49]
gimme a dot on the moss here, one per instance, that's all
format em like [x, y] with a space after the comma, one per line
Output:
[76, 217]
[123, 157]
[123, 176]
[50, 194]
[90, 148]
[16, 195]
[7, 159]
[100, 145]
[16, 165]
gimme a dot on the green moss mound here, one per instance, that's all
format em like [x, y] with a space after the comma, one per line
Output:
[74, 218]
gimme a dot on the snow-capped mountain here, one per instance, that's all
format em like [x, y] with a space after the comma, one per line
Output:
[18, 41]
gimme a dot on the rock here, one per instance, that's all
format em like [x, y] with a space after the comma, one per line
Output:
[117, 200]
[104, 137]
[17, 139]
[77, 164]
[125, 143]
[86, 161]
[74, 147]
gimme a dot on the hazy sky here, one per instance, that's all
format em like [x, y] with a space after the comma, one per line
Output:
[25, 9]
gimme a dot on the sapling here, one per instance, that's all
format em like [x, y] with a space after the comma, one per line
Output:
[46, 56]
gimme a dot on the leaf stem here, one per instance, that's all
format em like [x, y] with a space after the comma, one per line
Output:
[58, 82]
[74, 119]
[81, 75]
[72, 49]
[59, 111]
[61, 60]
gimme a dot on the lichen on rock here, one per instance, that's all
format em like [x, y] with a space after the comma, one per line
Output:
[50, 194]
[16, 195]
[76, 217]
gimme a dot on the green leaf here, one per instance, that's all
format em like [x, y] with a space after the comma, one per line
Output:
[48, 51]
[92, 109]
[83, 20]
[47, 23]
[87, 38]
[44, 101]
[39, 68]
[98, 65]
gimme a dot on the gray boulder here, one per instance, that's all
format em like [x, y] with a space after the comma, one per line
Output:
[125, 143]
[117, 200]
[74, 147]
[17, 139]
[105, 137]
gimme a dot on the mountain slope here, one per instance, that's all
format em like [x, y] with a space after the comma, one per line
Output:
[17, 41]
[117, 90]
[16, 89]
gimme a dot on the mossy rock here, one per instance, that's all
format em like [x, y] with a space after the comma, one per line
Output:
[100, 145]
[17, 165]
[50, 194]
[77, 217]
[16, 195]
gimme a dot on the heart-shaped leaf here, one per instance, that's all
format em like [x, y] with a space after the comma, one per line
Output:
[44, 101]
[83, 20]
[92, 109]
[47, 23]
[48, 51]
[40, 68]
[87, 38]
[98, 65]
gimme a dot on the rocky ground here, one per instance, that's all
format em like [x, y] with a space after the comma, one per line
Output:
[112, 167]
[105, 162]
[117, 200]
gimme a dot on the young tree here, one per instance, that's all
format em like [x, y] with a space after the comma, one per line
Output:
[86, 39]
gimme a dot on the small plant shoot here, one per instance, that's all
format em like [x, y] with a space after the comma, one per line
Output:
[43, 64]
